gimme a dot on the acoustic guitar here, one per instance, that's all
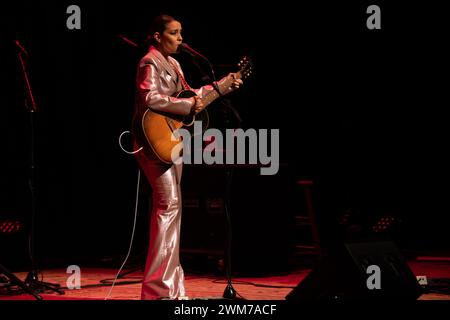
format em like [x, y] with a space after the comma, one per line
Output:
[158, 127]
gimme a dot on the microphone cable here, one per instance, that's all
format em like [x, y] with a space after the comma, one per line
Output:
[135, 215]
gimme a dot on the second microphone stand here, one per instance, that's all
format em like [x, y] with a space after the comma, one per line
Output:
[32, 279]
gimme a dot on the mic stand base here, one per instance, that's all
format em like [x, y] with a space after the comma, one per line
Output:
[16, 281]
[32, 281]
[229, 292]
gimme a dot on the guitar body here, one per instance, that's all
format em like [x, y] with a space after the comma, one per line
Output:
[158, 128]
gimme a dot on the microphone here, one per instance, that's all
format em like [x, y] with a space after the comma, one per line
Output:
[134, 44]
[186, 48]
[20, 47]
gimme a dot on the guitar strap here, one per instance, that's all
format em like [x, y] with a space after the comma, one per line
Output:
[185, 86]
[180, 76]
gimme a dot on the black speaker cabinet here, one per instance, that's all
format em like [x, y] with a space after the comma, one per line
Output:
[350, 275]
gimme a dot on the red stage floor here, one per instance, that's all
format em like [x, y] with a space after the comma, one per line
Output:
[273, 287]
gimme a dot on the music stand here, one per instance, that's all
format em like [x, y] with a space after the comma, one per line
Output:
[32, 281]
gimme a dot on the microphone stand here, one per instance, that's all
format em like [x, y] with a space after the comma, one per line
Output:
[32, 280]
[229, 292]
[13, 280]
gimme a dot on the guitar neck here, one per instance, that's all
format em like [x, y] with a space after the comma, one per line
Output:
[223, 87]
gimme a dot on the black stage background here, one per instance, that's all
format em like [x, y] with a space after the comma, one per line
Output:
[360, 112]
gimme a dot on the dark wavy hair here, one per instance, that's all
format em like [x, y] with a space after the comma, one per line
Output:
[158, 24]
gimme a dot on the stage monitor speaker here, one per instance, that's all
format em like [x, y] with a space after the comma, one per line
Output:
[359, 271]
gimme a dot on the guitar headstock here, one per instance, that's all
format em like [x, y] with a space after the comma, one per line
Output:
[245, 67]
